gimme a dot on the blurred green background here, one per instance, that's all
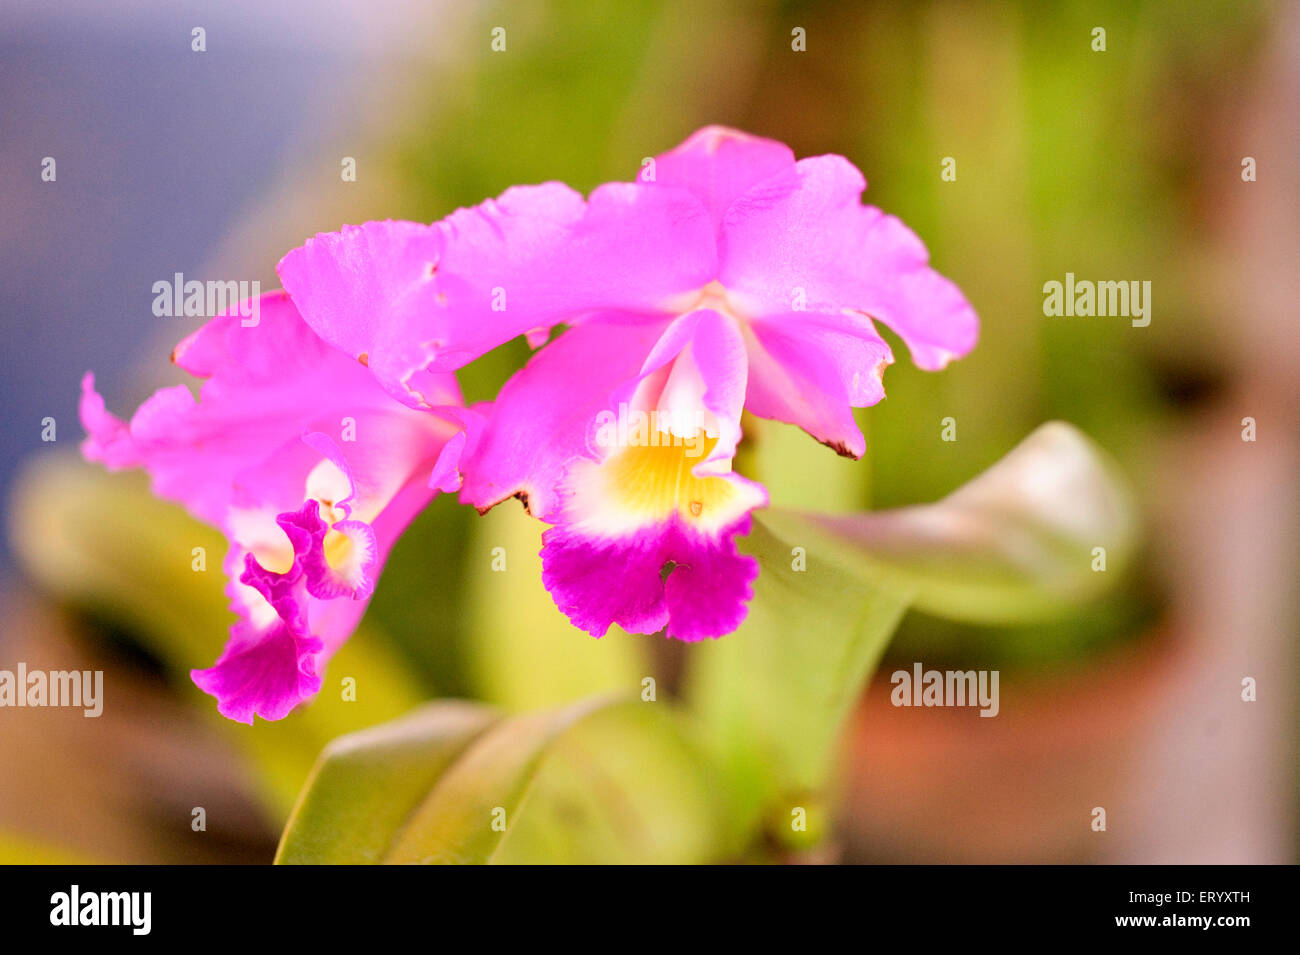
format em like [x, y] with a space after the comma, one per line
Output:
[1122, 164]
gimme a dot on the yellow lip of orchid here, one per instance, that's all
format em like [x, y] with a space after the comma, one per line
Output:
[642, 485]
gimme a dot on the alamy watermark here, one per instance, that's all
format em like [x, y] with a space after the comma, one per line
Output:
[194, 299]
[921, 687]
[83, 689]
[75, 907]
[652, 429]
[1129, 299]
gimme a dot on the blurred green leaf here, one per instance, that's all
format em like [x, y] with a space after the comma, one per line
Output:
[1015, 543]
[464, 816]
[527, 654]
[774, 693]
[102, 541]
[627, 785]
[425, 788]
[428, 624]
[604, 780]
[365, 783]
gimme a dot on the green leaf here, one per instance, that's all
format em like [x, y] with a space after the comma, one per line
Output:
[627, 785]
[1016, 544]
[441, 785]
[102, 541]
[774, 693]
[464, 816]
[1013, 544]
[365, 784]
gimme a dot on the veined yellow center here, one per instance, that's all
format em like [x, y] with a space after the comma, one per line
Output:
[651, 478]
[641, 485]
[656, 480]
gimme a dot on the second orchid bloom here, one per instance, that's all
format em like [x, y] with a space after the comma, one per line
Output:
[728, 276]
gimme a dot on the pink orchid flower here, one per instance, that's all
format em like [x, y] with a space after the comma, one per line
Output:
[299, 455]
[729, 276]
